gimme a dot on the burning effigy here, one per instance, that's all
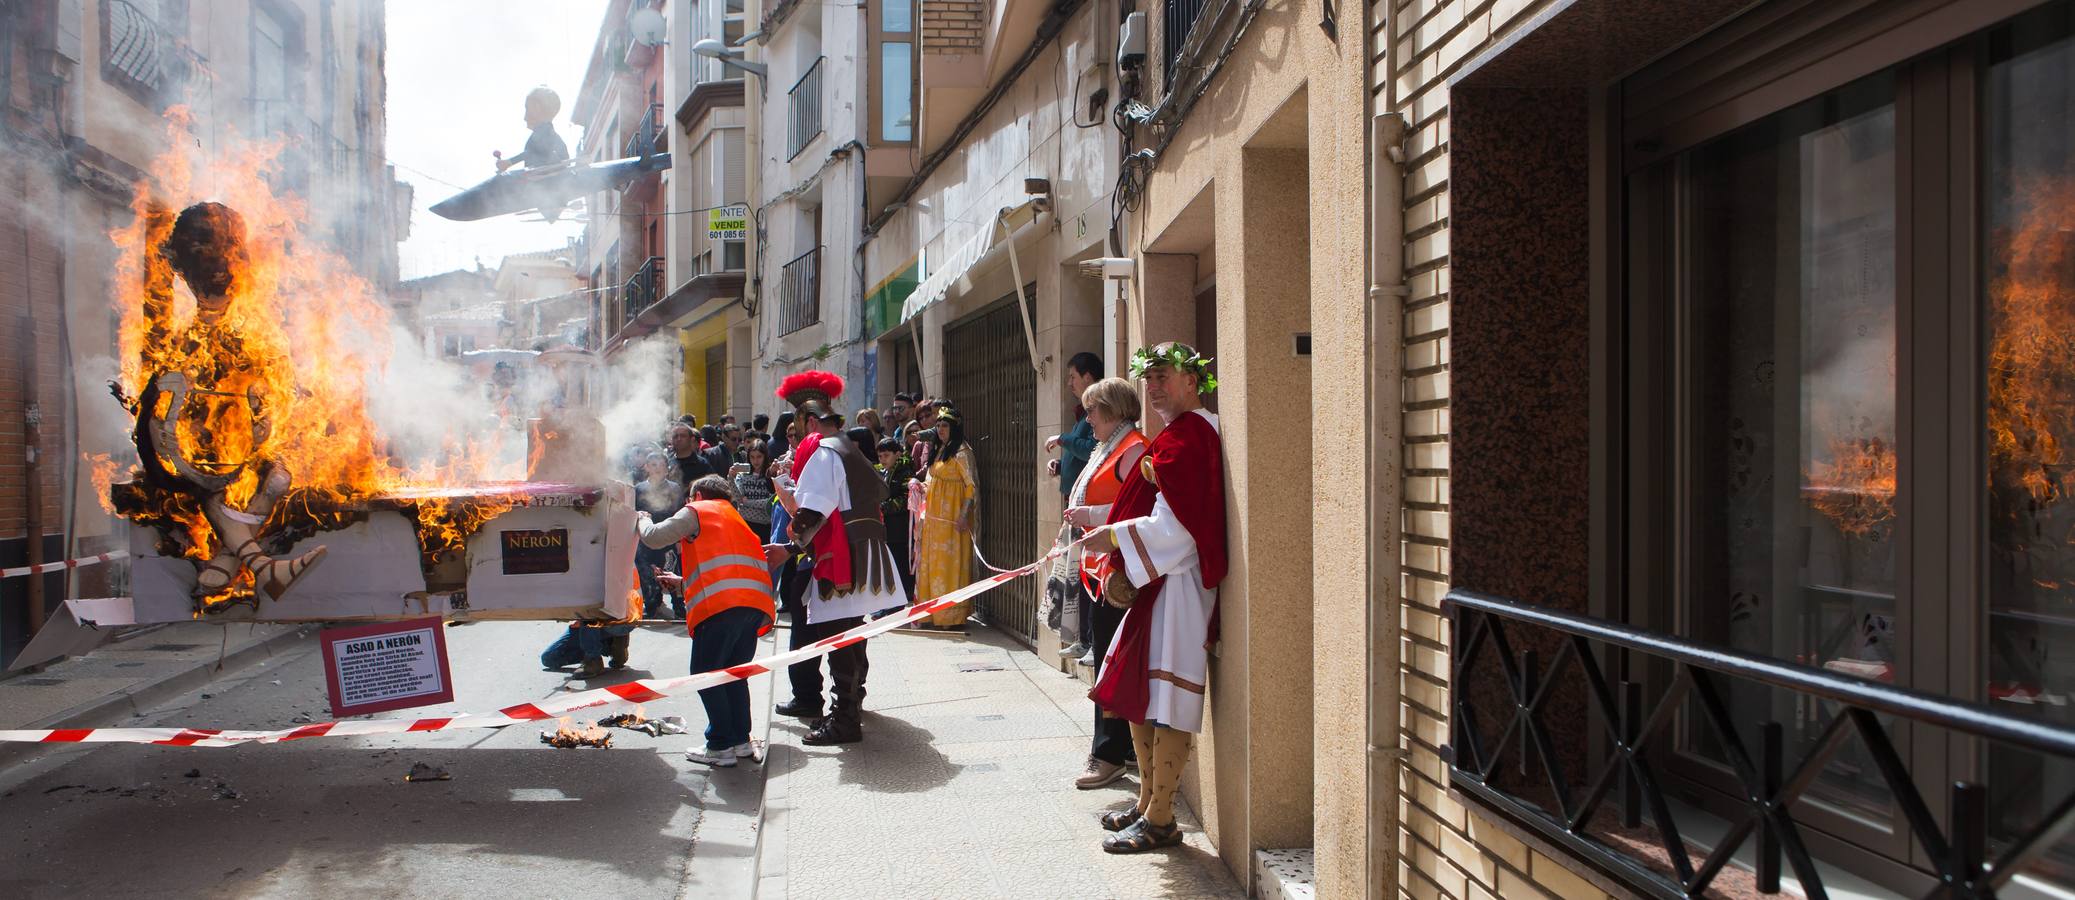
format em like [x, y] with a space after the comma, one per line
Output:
[261, 486]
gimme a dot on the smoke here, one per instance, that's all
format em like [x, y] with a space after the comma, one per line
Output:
[641, 384]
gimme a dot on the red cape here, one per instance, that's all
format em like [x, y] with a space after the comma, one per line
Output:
[831, 544]
[1189, 461]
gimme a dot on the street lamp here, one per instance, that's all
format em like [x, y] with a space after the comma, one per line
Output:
[714, 48]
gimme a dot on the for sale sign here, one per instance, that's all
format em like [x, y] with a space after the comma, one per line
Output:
[393, 665]
[728, 223]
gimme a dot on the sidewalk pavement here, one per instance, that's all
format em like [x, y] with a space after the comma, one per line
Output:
[132, 673]
[963, 787]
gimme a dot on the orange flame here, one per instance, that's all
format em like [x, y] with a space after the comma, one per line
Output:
[2031, 358]
[1855, 487]
[303, 333]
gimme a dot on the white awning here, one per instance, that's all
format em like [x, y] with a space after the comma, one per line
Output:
[1008, 224]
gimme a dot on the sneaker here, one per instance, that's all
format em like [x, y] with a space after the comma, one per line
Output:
[1098, 774]
[746, 750]
[1088, 659]
[723, 758]
[1079, 649]
[592, 668]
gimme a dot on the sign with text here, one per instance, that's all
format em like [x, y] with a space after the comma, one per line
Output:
[393, 665]
[727, 223]
[535, 552]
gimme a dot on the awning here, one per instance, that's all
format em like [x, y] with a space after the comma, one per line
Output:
[1015, 221]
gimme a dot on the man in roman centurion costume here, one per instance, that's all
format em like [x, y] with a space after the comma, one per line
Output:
[840, 568]
[1165, 545]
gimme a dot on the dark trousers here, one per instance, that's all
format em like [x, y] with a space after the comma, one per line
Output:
[1112, 742]
[848, 667]
[581, 642]
[727, 638]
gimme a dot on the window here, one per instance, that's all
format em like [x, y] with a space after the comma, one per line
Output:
[893, 73]
[1850, 331]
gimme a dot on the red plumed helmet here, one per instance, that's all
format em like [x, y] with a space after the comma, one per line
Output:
[813, 384]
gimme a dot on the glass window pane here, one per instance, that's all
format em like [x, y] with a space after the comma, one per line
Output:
[896, 16]
[1788, 428]
[2028, 245]
[896, 91]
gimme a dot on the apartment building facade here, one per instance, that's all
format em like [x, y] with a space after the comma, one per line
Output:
[1728, 498]
[86, 88]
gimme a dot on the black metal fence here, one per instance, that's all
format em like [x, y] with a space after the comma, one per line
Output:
[806, 110]
[642, 290]
[650, 136]
[1500, 768]
[799, 292]
[1178, 19]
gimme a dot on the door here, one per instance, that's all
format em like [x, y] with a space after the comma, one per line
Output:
[987, 374]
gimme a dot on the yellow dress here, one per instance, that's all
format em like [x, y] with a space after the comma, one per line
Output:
[945, 552]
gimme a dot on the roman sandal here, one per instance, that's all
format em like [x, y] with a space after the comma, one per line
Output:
[271, 578]
[1119, 819]
[1142, 836]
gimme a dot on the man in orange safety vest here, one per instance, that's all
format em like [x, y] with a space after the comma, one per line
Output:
[727, 593]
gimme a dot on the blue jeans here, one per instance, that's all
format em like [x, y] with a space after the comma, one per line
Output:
[727, 638]
[579, 643]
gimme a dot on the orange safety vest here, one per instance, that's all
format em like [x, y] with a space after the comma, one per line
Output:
[1103, 487]
[724, 566]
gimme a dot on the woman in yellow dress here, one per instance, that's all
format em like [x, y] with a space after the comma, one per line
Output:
[951, 503]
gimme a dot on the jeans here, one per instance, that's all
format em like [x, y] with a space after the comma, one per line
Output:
[652, 592]
[727, 638]
[579, 643]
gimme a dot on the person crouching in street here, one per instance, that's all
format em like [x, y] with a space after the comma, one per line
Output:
[841, 567]
[727, 595]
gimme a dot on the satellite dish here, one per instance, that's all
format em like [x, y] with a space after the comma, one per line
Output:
[648, 27]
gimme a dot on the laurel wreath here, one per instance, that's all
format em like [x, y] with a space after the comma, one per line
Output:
[1181, 359]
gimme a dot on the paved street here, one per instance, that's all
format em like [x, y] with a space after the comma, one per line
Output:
[333, 817]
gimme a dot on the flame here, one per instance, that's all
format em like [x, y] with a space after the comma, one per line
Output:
[2031, 356]
[1855, 487]
[303, 335]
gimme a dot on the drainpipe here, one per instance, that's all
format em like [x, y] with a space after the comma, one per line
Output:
[1386, 314]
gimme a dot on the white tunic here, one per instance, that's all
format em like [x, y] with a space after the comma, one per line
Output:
[824, 489]
[1177, 660]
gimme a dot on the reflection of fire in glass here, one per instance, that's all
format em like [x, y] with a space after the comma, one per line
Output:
[2031, 371]
[1855, 487]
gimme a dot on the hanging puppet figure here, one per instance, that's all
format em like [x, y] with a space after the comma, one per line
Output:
[204, 412]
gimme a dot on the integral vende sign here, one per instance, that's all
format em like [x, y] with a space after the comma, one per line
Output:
[728, 223]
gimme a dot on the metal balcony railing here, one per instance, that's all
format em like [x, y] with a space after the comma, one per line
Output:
[1179, 18]
[642, 290]
[806, 109]
[139, 49]
[799, 292]
[649, 136]
[1964, 861]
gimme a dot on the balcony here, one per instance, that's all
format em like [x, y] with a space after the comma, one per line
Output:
[1178, 19]
[806, 110]
[139, 50]
[641, 291]
[799, 293]
[648, 137]
[1549, 719]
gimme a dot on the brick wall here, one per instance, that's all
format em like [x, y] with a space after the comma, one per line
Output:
[30, 294]
[953, 26]
[1446, 848]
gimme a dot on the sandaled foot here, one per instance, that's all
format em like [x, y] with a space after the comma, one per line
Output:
[214, 577]
[1119, 820]
[1142, 836]
[272, 578]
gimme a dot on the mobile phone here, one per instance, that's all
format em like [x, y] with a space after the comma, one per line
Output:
[739, 469]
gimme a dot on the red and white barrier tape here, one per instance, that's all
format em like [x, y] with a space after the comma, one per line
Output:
[97, 559]
[640, 691]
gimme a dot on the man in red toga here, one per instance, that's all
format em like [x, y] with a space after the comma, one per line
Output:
[1165, 540]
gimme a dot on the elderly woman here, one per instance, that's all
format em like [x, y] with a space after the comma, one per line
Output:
[1112, 406]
